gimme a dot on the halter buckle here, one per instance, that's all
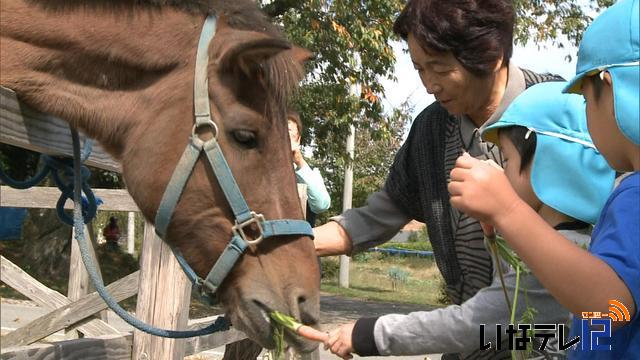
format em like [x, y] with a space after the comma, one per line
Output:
[258, 219]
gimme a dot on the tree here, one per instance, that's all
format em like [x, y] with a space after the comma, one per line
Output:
[556, 21]
[351, 41]
[375, 152]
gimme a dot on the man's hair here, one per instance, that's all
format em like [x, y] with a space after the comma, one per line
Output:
[476, 32]
[525, 146]
[293, 115]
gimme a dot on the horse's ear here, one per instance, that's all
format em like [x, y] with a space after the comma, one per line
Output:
[249, 50]
[301, 55]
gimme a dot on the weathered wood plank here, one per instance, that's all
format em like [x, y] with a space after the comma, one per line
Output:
[160, 274]
[79, 281]
[26, 128]
[15, 277]
[106, 347]
[302, 196]
[70, 314]
[207, 342]
[131, 232]
[43, 197]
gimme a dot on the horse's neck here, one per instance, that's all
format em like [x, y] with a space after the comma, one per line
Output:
[103, 71]
[151, 38]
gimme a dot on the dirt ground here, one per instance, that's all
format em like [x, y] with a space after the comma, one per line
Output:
[339, 310]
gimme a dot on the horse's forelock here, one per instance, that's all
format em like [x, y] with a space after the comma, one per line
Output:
[282, 75]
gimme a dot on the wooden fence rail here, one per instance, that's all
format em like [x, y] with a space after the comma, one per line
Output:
[19, 280]
[26, 128]
[71, 313]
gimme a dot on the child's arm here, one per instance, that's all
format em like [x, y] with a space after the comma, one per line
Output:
[577, 279]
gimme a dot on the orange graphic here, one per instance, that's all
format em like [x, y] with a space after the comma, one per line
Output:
[617, 312]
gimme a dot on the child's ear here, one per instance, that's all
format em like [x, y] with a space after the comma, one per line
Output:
[606, 78]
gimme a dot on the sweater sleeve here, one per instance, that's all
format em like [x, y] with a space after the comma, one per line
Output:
[317, 195]
[456, 328]
[373, 224]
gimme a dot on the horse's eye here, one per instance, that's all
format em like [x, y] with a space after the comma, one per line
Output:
[245, 138]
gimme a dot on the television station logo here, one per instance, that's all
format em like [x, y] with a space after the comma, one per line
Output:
[595, 332]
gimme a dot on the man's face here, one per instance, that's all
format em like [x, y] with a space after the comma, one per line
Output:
[457, 90]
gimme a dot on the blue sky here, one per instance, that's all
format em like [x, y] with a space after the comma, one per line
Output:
[408, 86]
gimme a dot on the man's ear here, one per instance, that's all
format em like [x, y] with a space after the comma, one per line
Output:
[499, 64]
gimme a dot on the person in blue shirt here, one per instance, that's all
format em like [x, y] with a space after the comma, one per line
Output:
[608, 76]
[318, 199]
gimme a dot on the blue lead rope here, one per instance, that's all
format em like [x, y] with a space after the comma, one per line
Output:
[62, 173]
[221, 323]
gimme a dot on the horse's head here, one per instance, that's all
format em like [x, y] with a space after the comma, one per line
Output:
[249, 77]
[130, 85]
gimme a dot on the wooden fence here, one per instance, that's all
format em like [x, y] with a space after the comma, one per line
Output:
[80, 311]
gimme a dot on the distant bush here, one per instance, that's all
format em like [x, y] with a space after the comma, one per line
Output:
[413, 238]
[330, 267]
[397, 276]
[362, 257]
[419, 246]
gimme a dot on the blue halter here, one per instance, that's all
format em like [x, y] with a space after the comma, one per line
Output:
[243, 215]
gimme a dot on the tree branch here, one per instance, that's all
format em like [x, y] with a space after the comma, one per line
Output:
[279, 7]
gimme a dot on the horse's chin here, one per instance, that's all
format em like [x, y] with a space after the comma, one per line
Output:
[254, 321]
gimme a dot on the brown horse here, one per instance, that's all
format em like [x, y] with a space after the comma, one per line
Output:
[122, 72]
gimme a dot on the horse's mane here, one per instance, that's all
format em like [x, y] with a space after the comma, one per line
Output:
[281, 73]
[242, 14]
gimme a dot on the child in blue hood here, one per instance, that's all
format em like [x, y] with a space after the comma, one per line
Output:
[608, 275]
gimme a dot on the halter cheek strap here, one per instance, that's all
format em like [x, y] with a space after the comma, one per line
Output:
[243, 215]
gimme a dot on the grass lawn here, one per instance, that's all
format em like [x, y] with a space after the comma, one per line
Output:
[417, 280]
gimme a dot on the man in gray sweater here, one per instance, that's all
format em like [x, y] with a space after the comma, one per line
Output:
[461, 51]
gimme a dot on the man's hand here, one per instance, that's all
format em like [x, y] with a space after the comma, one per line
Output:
[481, 190]
[331, 239]
[340, 341]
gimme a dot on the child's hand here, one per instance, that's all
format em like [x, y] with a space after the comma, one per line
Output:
[481, 190]
[339, 341]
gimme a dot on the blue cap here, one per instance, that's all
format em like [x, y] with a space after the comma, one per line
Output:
[612, 43]
[568, 173]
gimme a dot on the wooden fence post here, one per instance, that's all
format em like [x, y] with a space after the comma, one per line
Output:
[131, 232]
[79, 282]
[163, 299]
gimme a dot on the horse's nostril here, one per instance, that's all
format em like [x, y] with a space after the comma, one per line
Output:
[304, 308]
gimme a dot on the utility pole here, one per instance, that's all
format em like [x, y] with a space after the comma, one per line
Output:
[347, 194]
[346, 201]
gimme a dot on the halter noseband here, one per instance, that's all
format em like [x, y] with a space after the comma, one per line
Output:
[243, 215]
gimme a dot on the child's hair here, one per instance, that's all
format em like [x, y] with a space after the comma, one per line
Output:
[525, 145]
